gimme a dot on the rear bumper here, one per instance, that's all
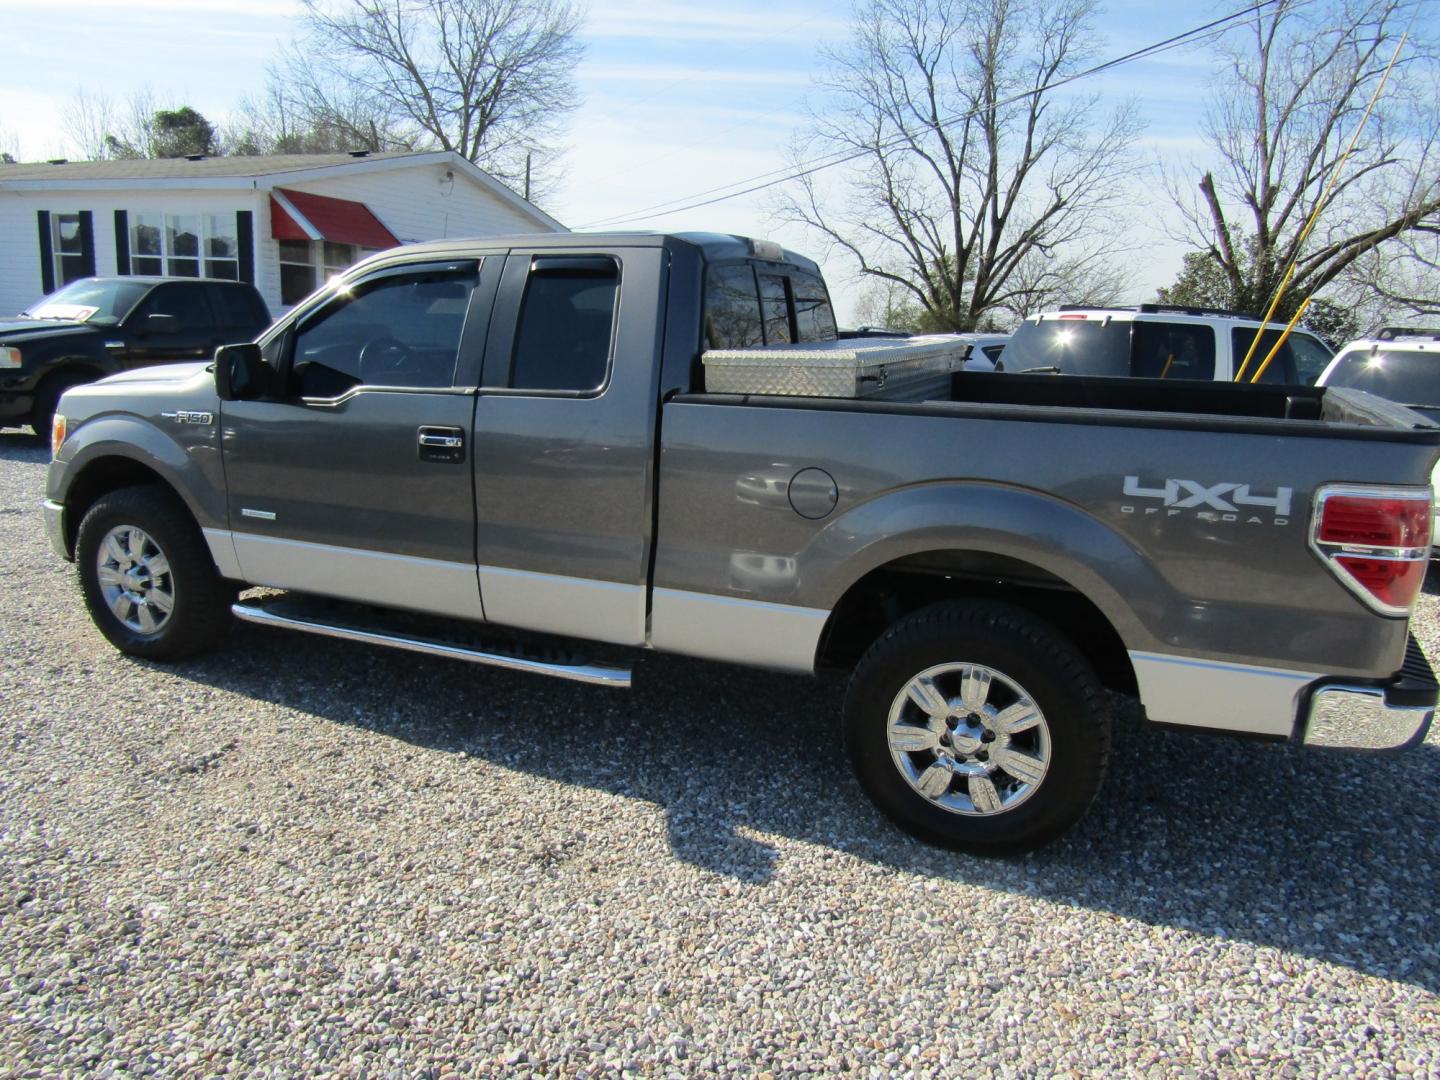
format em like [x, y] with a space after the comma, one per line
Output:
[1389, 716]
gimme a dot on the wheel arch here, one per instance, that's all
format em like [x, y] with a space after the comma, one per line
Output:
[889, 592]
[115, 452]
[892, 555]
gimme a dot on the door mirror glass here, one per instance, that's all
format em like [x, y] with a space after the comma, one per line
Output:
[240, 372]
[161, 324]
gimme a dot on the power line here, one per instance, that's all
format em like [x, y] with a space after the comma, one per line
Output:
[788, 173]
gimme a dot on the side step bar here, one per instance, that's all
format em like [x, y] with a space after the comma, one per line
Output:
[597, 674]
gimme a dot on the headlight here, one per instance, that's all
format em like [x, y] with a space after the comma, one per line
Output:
[57, 433]
[9, 356]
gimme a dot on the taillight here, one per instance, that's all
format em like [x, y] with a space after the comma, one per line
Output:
[1376, 541]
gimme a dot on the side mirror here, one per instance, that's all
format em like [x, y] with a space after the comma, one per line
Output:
[161, 324]
[241, 374]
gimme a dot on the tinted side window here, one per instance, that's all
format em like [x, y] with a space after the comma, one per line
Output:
[1172, 351]
[186, 303]
[1281, 369]
[814, 317]
[775, 305]
[234, 307]
[394, 331]
[567, 319]
[732, 308]
[1311, 357]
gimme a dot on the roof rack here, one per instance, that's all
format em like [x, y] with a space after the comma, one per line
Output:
[1181, 309]
[1390, 333]
[1091, 307]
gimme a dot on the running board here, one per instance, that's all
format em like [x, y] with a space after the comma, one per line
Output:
[598, 674]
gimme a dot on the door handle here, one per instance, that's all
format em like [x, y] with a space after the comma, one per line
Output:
[442, 444]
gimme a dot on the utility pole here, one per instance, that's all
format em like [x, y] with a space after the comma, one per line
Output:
[527, 175]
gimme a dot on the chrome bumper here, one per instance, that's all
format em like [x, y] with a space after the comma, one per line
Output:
[1391, 717]
[55, 527]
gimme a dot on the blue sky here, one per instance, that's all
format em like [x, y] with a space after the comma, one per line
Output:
[679, 97]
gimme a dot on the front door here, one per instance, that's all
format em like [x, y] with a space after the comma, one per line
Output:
[355, 481]
[193, 335]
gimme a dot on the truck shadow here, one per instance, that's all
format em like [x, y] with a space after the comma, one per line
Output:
[20, 444]
[1327, 855]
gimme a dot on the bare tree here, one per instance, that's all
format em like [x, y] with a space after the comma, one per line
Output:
[961, 190]
[308, 109]
[102, 129]
[1294, 85]
[1404, 276]
[492, 80]
[88, 117]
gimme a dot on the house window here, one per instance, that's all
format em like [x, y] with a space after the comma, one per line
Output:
[185, 245]
[67, 246]
[305, 264]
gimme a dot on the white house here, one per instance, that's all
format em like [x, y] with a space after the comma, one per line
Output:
[284, 223]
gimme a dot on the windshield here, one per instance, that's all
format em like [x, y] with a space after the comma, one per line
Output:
[90, 301]
[1406, 377]
[1071, 347]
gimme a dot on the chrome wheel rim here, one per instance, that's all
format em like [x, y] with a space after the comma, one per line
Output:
[969, 739]
[135, 579]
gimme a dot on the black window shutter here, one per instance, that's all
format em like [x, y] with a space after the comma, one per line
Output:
[87, 243]
[122, 242]
[245, 228]
[47, 254]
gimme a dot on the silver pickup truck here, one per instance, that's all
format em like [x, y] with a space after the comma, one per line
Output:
[502, 451]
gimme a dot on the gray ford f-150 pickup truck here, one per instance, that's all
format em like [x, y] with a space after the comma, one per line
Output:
[501, 450]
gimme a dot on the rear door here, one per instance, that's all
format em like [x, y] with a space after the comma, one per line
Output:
[356, 481]
[565, 441]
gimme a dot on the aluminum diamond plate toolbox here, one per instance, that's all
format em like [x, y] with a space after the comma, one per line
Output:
[892, 369]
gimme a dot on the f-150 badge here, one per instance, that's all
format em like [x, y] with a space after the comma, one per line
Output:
[1210, 502]
[185, 416]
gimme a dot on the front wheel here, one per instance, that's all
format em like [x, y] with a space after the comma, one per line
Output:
[979, 727]
[147, 576]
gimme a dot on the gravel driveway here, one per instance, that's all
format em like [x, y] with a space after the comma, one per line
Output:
[305, 857]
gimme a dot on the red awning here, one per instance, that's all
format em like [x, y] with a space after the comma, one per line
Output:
[299, 215]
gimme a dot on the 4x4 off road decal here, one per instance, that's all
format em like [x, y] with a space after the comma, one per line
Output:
[1209, 502]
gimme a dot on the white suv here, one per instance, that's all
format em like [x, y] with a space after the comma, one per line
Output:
[1401, 363]
[1158, 341]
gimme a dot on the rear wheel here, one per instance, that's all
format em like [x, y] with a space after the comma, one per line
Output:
[978, 726]
[147, 576]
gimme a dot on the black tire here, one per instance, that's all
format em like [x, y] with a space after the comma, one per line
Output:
[1027, 654]
[198, 618]
[47, 400]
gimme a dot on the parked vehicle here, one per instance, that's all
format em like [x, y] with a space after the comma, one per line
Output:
[466, 444]
[1399, 363]
[1159, 341]
[100, 326]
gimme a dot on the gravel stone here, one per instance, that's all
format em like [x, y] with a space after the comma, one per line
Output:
[302, 857]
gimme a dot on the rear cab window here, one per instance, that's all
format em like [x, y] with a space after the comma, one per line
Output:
[1072, 346]
[749, 304]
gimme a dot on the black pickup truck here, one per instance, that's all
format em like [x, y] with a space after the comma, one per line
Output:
[101, 326]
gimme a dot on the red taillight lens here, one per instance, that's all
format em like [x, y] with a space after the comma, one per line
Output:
[1395, 582]
[1374, 522]
[1376, 541]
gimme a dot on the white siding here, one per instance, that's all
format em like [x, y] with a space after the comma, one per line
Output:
[410, 200]
[20, 281]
